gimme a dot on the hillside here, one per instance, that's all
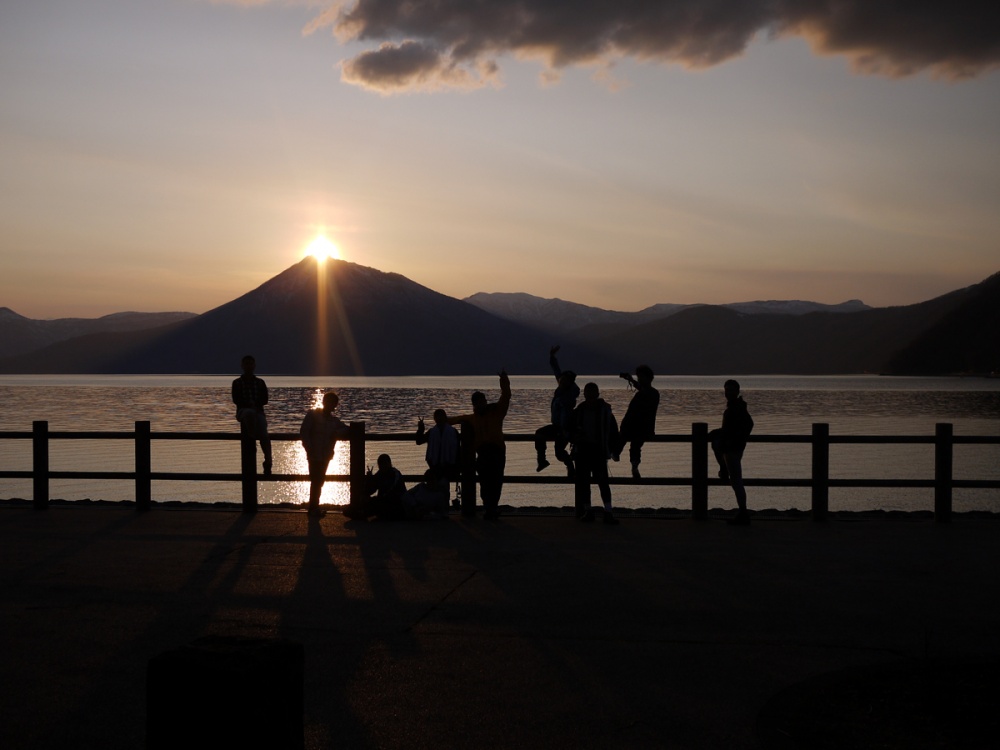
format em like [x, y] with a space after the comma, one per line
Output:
[340, 318]
[19, 335]
[335, 318]
[964, 340]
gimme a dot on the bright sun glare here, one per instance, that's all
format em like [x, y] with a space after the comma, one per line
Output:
[321, 248]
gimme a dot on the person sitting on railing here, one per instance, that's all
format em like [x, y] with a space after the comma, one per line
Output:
[639, 422]
[728, 444]
[250, 397]
[561, 416]
[319, 433]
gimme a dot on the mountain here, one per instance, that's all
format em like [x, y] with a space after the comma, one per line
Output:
[340, 318]
[330, 318]
[559, 317]
[709, 339]
[795, 307]
[556, 316]
[966, 339]
[19, 335]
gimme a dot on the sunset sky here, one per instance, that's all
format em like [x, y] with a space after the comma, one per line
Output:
[174, 154]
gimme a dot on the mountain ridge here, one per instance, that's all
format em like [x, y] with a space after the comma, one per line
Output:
[558, 316]
[341, 318]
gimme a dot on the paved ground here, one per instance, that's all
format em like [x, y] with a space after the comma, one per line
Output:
[532, 632]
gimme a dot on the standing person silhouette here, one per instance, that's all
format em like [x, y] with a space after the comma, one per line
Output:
[595, 433]
[488, 442]
[250, 397]
[319, 433]
[728, 444]
[442, 451]
[639, 422]
[561, 415]
[442, 445]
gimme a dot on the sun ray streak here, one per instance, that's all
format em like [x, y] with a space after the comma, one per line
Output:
[332, 299]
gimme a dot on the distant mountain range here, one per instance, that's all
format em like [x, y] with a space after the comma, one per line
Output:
[560, 317]
[19, 334]
[340, 318]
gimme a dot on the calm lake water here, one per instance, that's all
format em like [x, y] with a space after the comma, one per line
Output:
[854, 405]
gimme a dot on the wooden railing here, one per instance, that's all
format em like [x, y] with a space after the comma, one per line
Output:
[819, 481]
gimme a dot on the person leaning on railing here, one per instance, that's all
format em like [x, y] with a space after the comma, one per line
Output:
[728, 444]
[250, 397]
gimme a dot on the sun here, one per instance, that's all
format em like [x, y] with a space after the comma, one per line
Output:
[322, 248]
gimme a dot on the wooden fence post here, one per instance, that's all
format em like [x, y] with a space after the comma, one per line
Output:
[143, 467]
[820, 471]
[943, 468]
[40, 464]
[248, 465]
[468, 474]
[358, 493]
[699, 470]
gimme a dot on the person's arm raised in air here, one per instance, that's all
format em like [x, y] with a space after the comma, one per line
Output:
[554, 363]
[504, 401]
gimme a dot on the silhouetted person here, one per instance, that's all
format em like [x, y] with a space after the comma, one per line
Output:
[488, 442]
[639, 422]
[728, 444]
[442, 446]
[427, 499]
[595, 432]
[319, 433]
[250, 397]
[386, 489]
[561, 414]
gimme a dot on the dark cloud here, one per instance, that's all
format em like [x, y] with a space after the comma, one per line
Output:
[428, 44]
[413, 66]
[952, 40]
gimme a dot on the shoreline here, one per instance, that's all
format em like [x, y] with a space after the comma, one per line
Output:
[714, 514]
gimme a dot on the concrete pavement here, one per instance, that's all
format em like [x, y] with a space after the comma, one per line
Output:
[531, 632]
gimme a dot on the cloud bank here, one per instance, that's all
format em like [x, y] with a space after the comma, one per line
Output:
[440, 44]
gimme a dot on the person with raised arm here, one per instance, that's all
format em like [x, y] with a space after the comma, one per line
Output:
[385, 488]
[442, 445]
[561, 416]
[486, 421]
[639, 422]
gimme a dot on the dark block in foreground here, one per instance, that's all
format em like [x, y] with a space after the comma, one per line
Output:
[226, 692]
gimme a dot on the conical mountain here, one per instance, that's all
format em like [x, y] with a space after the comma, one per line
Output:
[334, 317]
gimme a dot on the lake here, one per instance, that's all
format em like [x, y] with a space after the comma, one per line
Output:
[851, 405]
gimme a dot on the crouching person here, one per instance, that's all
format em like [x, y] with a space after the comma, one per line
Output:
[385, 488]
[428, 499]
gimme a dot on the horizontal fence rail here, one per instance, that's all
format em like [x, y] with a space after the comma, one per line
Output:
[819, 481]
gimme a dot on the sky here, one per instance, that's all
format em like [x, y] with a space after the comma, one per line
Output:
[174, 154]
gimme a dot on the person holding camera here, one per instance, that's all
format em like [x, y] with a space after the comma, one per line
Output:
[639, 422]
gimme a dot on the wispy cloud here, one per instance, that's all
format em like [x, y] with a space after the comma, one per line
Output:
[442, 44]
